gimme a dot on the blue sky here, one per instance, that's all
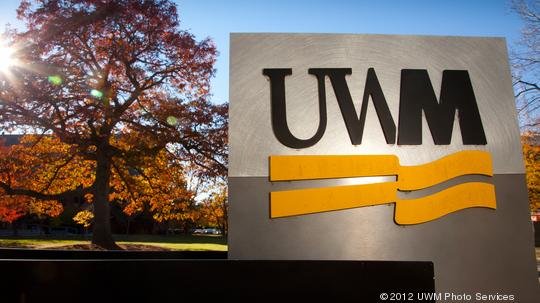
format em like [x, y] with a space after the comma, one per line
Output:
[216, 19]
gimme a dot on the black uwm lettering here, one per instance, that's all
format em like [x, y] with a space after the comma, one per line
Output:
[416, 96]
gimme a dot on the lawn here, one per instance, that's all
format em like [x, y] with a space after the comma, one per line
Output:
[169, 242]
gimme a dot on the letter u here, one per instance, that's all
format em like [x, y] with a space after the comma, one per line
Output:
[279, 109]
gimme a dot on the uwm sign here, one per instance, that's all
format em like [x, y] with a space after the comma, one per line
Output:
[380, 147]
[416, 97]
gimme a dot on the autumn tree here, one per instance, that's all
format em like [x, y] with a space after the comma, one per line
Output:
[212, 211]
[118, 85]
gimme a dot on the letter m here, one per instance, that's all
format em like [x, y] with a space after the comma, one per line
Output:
[417, 96]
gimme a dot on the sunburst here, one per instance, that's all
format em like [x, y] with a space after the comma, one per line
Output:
[7, 58]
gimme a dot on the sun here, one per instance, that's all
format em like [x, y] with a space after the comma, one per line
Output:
[6, 57]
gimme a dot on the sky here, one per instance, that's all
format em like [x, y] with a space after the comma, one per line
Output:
[217, 19]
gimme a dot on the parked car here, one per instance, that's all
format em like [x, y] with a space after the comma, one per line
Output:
[207, 231]
[212, 231]
[198, 231]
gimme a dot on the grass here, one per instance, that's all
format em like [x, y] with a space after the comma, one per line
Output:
[172, 242]
[177, 242]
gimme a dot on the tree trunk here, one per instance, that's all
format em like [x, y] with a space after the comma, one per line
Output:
[102, 235]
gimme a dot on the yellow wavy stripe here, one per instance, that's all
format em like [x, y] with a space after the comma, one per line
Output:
[451, 166]
[287, 168]
[307, 201]
[466, 195]
[410, 211]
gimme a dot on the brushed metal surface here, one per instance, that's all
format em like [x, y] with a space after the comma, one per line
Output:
[476, 250]
[251, 136]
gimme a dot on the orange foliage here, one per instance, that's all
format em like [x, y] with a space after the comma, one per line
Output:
[84, 218]
[212, 212]
[531, 155]
[157, 180]
[12, 208]
[46, 165]
[31, 165]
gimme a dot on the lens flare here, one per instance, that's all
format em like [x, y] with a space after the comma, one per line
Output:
[172, 121]
[55, 80]
[96, 93]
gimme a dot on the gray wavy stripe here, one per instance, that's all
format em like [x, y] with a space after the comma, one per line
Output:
[304, 184]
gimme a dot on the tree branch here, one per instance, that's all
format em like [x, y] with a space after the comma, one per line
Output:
[57, 170]
[41, 196]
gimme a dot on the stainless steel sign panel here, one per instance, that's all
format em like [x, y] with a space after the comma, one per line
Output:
[252, 139]
[474, 250]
